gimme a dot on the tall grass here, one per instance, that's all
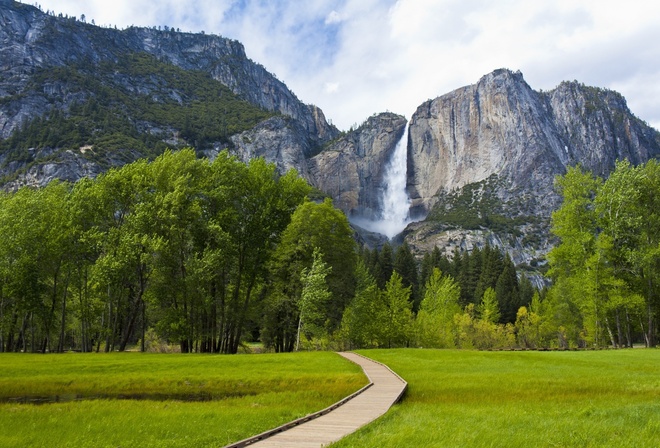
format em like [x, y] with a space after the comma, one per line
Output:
[250, 393]
[520, 399]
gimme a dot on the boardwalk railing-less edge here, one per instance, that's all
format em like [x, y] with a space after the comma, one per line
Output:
[385, 388]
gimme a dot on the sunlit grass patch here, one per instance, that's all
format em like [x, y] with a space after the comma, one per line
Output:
[250, 393]
[520, 399]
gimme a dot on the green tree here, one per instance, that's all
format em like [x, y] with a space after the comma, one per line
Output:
[385, 265]
[360, 327]
[314, 298]
[574, 263]
[253, 208]
[435, 320]
[488, 309]
[177, 206]
[628, 204]
[506, 289]
[35, 240]
[312, 226]
[469, 274]
[492, 265]
[397, 321]
[406, 265]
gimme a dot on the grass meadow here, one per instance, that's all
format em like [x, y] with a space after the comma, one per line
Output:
[454, 399]
[519, 399]
[246, 394]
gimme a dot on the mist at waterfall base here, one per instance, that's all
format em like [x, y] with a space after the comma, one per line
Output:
[395, 203]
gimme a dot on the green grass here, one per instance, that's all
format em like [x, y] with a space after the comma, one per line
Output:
[520, 399]
[251, 393]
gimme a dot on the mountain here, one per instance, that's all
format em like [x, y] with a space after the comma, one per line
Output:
[77, 99]
[483, 158]
[500, 126]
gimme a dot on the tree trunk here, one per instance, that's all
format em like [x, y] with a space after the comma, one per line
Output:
[128, 331]
[144, 324]
[650, 338]
[60, 345]
[618, 329]
[109, 331]
[10, 332]
[135, 309]
[628, 331]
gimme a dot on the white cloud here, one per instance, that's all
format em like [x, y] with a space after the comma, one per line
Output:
[331, 87]
[354, 58]
[333, 17]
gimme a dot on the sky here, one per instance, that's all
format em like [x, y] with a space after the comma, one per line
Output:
[355, 58]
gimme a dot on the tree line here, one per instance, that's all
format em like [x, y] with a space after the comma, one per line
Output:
[206, 256]
[466, 300]
[179, 245]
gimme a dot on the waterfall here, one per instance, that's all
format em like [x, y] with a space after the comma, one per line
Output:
[395, 203]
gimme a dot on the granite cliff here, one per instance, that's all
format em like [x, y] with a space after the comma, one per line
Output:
[52, 64]
[483, 158]
[500, 126]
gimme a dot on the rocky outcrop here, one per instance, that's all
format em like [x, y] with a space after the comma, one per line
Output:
[500, 126]
[597, 128]
[351, 168]
[279, 140]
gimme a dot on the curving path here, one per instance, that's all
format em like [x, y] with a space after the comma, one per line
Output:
[386, 389]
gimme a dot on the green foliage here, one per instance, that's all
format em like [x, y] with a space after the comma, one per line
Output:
[178, 245]
[434, 323]
[605, 265]
[313, 226]
[488, 308]
[449, 307]
[314, 298]
[397, 320]
[528, 326]
[406, 265]
[359, 328]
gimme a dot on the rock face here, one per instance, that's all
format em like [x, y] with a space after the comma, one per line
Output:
[31, 40]
[500, 126]
[483, 158]
[351, 169]
[279, 140]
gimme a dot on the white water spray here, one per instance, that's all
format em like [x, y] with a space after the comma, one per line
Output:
[395, 211]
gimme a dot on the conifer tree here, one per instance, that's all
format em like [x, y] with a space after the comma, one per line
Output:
[406, 265]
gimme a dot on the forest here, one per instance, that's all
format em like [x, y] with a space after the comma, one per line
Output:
[184, 254]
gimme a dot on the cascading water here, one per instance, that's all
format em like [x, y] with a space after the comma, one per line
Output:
[395, 204]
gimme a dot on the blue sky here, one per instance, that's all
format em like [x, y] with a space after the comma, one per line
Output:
[354, 58]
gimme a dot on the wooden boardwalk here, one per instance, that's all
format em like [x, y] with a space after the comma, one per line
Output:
[386, 389]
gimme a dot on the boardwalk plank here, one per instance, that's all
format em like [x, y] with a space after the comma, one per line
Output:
[387, 388]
